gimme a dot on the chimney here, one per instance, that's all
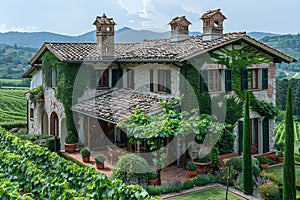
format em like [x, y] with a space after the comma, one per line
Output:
[105, 35]
[212, 25]
[179, 29]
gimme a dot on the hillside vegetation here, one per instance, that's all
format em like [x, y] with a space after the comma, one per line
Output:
[13, 107]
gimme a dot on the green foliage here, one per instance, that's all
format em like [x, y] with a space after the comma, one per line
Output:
[246, 161]
[131, 168]
[152, 175]
[269, 110]
[13, 60]
[153, 190]
[262, 160]
[227, 174]
[289, 188]
[53, 144]
[66, 77]
[270, 191]
[99, 159]
[36, 93]
[13, 107]
[11, 190]
[187, 185]
[214, 154]
[202, 179]
[236, 163]
[71, 138]
[171, 187]
[226, 141]
[45, 175]
[191, 166]
[85, 152]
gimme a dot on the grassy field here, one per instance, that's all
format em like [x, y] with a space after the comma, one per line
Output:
[13, 107]
[211, 194]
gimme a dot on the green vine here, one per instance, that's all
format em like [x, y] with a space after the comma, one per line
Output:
[36, 93]
[66, 78]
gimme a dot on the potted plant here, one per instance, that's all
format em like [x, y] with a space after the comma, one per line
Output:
[152, 176]
[279, 152]
[85, 153]
[263, 161]
[99, 159]
[192, 172]
[71, 142]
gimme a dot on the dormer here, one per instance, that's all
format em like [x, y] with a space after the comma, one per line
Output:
[213, 24]
[105, 35]
[179, 28]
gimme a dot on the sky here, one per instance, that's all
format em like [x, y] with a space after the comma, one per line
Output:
[75, 17]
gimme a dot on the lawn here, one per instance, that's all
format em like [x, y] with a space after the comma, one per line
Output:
[278, 172]
[209, 194]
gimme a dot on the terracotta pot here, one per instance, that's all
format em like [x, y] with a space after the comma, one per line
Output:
[192, 174]
[153, 181]
[264, 166]
[280, 159]
[270, 155]
[70, 148]
[100, 166]
[86, 160]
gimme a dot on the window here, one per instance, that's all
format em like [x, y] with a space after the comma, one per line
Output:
[104, 78]
[252, 78]
[31, 115]
[164, 81]
[216, 80]
[54, 78]
[130, 78]
[254, 134]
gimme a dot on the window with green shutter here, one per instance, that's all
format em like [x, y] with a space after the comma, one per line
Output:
[265, 135]
[168, 81]
[244, 79]
[151, 80]
[228, 80]
[116, 80]
[264, 78]
[240, 132]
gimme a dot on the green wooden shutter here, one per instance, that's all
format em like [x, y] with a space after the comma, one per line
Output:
[228, 80]
[264, 78]
[168, 81]
[240, 131]
[203, 81]
[151, 80]
[244, 80]
[116, 76]
[266, 135]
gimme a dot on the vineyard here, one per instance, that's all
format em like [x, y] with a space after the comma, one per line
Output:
[279, 132]
[13, 107]
[28, 171]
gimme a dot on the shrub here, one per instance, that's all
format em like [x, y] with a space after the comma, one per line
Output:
[262, 160]
[71, 138]
[236, 163]
[205, 159]
[152, 175]
[191, 166]
[215, 156]
[172, 187]
[187, 185]
[85, 152]
[201, 180]
[53, 144]
[99, 159]
[222, 176]
[132, 168]
[269, 191]
[225, 142]
[153, 190]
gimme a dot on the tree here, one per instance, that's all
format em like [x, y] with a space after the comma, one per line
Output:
[289, 188]
[247, 162]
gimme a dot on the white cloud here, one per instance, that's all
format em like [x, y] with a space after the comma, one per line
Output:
[4, 28]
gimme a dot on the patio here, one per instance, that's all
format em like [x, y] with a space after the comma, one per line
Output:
[169, 174]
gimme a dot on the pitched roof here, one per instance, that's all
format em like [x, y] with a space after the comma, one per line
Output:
[211, 13]
[181, 19]
[152, 50]
[114, 105]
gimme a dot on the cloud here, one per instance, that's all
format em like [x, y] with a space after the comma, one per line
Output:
[4, 28]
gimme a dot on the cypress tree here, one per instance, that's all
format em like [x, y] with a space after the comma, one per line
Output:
[289, 188]
[247, 160]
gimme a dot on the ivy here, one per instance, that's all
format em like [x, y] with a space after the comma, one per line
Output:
[66, 77]
[36, 93]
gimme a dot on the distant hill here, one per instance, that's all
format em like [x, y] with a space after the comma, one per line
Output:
[123, 35]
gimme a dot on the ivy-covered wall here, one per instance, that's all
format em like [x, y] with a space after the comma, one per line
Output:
[236, 58]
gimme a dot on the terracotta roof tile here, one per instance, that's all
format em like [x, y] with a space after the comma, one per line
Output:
[114, 105]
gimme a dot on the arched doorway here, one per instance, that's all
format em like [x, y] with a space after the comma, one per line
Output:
[44, 123]
[54, 124]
